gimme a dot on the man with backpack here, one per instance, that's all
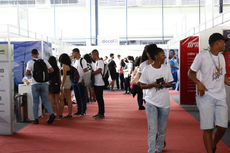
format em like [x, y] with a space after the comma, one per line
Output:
[39, 69]
[99, 84]
[79, 88]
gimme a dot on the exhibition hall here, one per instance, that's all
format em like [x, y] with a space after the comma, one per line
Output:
[155, 72]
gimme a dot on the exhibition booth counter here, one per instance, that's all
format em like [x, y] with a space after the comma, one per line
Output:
[23, 88]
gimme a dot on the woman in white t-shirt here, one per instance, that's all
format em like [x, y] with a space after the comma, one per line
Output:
[145, 61]
[156, 78]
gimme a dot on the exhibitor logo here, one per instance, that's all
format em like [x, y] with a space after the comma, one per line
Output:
[111, 41]
[1, 70]
[193, 44]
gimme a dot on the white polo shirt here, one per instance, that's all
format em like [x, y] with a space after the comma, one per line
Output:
[30, 67]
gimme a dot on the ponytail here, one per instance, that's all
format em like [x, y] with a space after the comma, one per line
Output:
[153, 50]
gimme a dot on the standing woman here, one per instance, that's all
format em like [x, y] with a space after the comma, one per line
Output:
[156, 78]
[66, 84]
[87, 77]
[121, 74]
[145, 61]
[54, 86]
[136, 89]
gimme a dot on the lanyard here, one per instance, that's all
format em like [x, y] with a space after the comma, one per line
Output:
[218, 69]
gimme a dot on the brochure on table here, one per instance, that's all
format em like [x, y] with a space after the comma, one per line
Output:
[6, 90]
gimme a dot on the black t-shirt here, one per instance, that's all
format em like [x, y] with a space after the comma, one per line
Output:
[111, 66]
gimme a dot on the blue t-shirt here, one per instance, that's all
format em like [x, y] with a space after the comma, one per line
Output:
[174, 63]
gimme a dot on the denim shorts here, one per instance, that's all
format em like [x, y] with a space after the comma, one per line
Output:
[212, 112]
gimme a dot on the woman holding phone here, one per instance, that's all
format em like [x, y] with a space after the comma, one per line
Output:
[156, 78]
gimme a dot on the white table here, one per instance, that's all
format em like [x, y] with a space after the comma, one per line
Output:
[22, 88]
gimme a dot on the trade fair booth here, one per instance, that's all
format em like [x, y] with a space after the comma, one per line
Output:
[194, 42]
[15, 47]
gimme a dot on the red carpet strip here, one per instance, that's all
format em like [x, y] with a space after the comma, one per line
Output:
[124, 130]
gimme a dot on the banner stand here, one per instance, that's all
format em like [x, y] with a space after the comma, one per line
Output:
[6, 88]
[189, 48]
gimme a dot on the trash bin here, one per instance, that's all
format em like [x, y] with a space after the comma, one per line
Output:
[21, 107]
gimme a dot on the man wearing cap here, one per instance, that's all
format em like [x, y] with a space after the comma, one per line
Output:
[208, 73]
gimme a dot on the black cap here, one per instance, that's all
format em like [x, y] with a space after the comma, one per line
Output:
[216, 36]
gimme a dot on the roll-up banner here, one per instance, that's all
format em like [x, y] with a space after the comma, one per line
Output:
[189, 48]
[226, 33]
[6, 91]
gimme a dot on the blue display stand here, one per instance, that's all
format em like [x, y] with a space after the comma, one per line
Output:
[22, 54]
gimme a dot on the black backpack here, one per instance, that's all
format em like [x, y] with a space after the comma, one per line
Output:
[40, 73]
[54, 83]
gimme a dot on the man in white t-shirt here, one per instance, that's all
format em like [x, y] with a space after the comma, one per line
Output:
[98, 84]
[79, 88]
[39, 89]
[211, 94]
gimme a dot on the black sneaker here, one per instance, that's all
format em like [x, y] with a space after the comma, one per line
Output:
[60, 116]
[51, 119]
[77, 113]
[83, 114]
[125, 93]
[164, 144]
[68, 116]
[99, 116]
[36, 121]
[96, 115]
[142, 108]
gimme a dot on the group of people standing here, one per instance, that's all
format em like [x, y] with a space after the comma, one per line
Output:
[58, 88]
[152, 78]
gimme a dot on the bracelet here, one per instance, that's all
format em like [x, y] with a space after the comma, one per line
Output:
[197, 81]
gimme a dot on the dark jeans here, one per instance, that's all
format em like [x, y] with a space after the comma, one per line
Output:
[117, 80]
[127, 84]
[140, 98]
[100, 100]
[106, 81]
[174, 74]
[122, 80]
[80, 95]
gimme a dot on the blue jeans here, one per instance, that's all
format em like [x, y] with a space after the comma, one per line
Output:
[122, 80]
[157, 124]
[80, 95]
[174, 74]
[40, 90]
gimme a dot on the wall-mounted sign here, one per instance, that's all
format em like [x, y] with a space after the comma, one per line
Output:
[107, 41]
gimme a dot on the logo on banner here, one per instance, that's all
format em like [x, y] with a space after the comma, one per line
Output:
[193, 44]
[1, 70]
[108, 40]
